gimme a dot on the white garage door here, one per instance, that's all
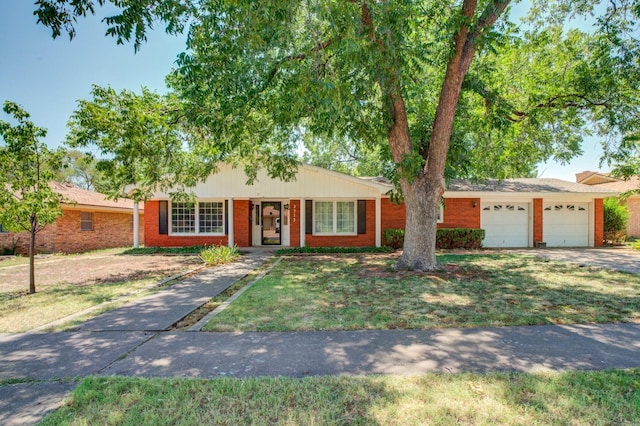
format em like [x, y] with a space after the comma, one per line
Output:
[566, 225]
[505, 224]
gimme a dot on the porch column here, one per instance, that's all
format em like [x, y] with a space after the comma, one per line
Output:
[303, 217]
[378, 222]
[136, 225]
[230, 221]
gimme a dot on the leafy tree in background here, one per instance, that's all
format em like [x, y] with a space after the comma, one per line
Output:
[143, 138]
[28, 202]
[81, 170]
[448, 88]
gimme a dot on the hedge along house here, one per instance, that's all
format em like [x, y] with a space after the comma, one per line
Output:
[89, 221]
[325, 208]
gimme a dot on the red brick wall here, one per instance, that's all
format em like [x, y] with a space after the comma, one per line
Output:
[633, 226]
[242, 223]
[45, 240]
[460, 213]
[393, 215]
[360, 240]
[294, 223]
[154, 239]
[537, 220]
[598, 232]
[110, 229]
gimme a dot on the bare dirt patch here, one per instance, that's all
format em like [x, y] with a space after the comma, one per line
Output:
[94, 268]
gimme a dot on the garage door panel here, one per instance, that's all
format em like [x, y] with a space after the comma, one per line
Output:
[505, 224]
[566, 225]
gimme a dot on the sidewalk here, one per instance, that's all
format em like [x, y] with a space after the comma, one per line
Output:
[161, 310]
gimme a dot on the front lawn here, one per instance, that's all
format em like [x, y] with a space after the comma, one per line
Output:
[580, 398]
[351, 292]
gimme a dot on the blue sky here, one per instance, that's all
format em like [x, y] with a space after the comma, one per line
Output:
[47, 77]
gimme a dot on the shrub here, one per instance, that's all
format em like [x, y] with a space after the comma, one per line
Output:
[616, 216]
[446, 238]
[297, 250]
[636, 245]
[394, 238]
[217, 255]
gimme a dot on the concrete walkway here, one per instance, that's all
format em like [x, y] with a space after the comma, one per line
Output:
[621, 259]
[161, 310]
[129, 341]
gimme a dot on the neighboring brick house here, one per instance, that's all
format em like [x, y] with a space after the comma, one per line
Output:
[325, 208]
[603, 180]
[92, 223]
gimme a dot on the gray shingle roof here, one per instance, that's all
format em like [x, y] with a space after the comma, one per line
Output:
[525, 185]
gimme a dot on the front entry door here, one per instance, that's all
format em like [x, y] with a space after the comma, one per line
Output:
[271, 223]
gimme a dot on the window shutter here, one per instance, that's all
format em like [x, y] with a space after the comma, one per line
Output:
[308, 216]
[163, 217]
[226, 217]
[362, 216]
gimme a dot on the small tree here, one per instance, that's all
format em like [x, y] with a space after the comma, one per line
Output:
[27, 201]
[616, 216]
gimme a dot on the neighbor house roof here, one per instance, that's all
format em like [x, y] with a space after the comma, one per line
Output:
[83, 197]
[606, 181]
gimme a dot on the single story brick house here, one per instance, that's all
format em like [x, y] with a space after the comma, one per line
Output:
[88, 222]
[605, 181]
[326, 208]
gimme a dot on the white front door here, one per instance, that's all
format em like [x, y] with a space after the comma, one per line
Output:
[566, 224]
[505, 224]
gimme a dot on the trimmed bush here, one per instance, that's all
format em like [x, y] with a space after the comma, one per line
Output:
[393, 238]
[616, 216]
[217, 255]
[459, 238]
[446, 238]
[298, 250]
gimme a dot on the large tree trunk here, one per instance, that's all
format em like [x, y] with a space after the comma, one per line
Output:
[32, 252]
[422, 205]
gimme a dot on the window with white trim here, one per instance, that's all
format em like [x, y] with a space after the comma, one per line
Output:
[86, 221]
[334, 217]
[440, 213]
[203, 217]
[210, 217]
[3, 230]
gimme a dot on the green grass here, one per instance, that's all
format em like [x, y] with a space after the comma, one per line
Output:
[364, 292]
[577, 398]
[20, 312]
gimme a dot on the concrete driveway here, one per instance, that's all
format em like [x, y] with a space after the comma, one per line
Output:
[615, 258]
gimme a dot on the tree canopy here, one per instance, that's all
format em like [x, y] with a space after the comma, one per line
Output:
[439, 88]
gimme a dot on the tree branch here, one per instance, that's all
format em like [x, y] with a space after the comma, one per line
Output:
[297, 57]
[561, 102]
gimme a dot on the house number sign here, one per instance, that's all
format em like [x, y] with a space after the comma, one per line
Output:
[293, 217]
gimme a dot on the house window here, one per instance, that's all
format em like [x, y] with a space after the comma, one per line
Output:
[204, 217]
[86, 221]
[183, 218]
[334, 217]
[3, 230]
[210, 217]
[440, 213]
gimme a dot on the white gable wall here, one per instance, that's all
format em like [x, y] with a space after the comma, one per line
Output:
[310, 183]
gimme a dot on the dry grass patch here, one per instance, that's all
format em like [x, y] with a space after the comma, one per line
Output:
[350, 292]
